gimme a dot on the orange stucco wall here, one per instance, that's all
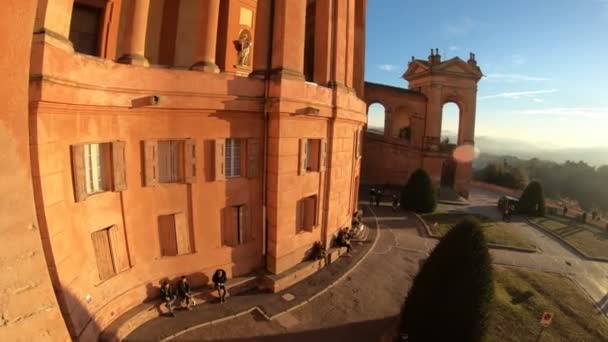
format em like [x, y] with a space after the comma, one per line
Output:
[28, 307]
[75, 99]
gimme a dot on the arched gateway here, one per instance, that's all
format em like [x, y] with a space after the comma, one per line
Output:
[390, 159]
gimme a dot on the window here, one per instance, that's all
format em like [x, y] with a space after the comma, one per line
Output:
[97, 168]
[233, 158]
[169, 161]
[312, 155]
[237, 158]
[110, 251]
[236, 230]
[85, 28]
[306, 214]
[174, 235]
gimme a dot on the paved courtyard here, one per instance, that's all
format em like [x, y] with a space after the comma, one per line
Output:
[363, 306]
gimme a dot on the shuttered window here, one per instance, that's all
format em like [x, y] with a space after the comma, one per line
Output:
[235, 230]
[169, 161]
[307, 214]
[170, 156]
[97, 168]
[232, 158]
[174, 234]
[96, 157]
[110, 249]
[313, 155]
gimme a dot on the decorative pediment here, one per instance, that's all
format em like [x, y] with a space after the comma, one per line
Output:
[415, 68]
[454, 66]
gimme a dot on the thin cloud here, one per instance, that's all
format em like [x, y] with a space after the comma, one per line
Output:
[387, 67]
[565, 112]
[514, 78]
[537, 100]
[519, 94]
[461, 27]
[454, 48]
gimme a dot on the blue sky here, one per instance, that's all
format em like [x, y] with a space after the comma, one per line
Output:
[545, 61]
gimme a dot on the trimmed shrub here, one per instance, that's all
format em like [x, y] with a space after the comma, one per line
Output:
[532, 200]
[418, 194]
[450, 297]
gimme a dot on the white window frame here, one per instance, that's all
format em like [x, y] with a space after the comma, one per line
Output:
[233, 163]
[95, 169]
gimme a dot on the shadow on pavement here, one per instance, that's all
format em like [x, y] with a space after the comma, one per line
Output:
[372, 330]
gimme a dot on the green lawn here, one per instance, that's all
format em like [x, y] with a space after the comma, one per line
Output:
[588, 239]
[521, 296]
[496, 231]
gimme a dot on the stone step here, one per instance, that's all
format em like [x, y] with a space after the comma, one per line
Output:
[140, 314]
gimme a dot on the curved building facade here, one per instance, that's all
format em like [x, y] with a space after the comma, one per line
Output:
[152, 139]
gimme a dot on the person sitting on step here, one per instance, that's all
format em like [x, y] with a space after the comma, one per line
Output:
[219, 280]
[168, 296]
[183, 289]
[343, 239]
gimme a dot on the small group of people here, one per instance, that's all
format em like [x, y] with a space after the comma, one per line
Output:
[343, 239]
[184, 291]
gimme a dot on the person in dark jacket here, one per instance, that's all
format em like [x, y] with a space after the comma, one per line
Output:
[183, 290]
[343, 239]
[219, 279]
[168, 296]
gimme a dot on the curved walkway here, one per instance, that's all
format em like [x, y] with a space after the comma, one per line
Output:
[554, 255]
[364, 305]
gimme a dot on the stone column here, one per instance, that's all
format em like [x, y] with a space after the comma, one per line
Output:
[359, 67]
[340, 42]
[323, 41]
[52, 23]
[261, 42]
[289, 37]
[350, 43]
[207, 38]
[135, 33]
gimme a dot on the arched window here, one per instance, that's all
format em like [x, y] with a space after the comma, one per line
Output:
[375, 118]
[450, 123]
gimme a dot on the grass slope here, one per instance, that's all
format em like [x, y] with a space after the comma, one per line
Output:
[521, 296]
[496, 232]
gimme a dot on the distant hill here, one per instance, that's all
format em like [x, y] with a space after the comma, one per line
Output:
[595, 156]
[500, 147]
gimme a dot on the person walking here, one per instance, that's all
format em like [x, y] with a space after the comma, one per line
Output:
[378, 197]
[372, 196]
[183, 289]
[219, 280]
[395, 202]
[168, 296]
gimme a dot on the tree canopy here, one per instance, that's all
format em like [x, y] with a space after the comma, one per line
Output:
[450, 296]
[578, 181]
